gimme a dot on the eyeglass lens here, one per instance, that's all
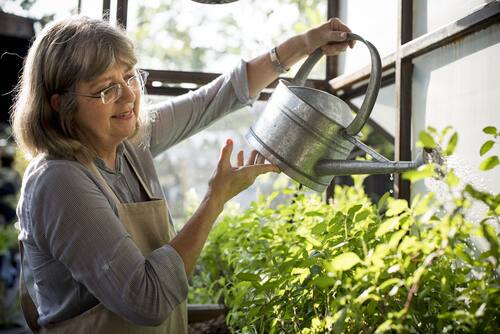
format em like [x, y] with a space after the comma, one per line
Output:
[114, 92]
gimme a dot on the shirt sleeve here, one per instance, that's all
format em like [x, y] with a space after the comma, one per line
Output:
[77, 225]
[181, 117]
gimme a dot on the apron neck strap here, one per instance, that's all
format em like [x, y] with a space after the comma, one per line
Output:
[93, 168]
[138, 175]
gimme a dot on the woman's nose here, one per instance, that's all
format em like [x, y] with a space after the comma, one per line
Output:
[128, 94]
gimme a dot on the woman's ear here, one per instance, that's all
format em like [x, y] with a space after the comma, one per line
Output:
[55, 102]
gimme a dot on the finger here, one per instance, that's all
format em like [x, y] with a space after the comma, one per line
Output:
[337, 24]
[240, 158]
[260, 159]
[256, 170]
[336, 36]
[251, 159]
[225, 154]
[334, 49]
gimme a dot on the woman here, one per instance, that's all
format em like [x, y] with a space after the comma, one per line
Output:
[95, 228]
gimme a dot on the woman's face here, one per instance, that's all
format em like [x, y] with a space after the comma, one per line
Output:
[106, 125]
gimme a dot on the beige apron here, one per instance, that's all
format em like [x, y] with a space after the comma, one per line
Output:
[148, 225]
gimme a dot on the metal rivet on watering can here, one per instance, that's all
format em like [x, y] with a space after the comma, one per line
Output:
[309, 133]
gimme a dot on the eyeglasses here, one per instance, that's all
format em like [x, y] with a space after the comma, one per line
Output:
[113, 93]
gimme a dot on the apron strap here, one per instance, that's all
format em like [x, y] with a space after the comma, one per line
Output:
[27, 305]
[141, 181]
[95, 171]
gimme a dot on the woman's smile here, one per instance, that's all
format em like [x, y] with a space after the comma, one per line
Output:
[124, 116]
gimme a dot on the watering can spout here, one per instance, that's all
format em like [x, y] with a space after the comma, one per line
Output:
[351, 167]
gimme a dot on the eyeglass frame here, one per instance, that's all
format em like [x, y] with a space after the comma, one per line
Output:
[141, 74]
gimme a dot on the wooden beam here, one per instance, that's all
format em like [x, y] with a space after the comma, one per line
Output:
[377, 127]
[121, 13]
[346, 81]
[106, 7]
[482, 17]
[198, 78]
[16, 26]
[404, 76]
[202, 78]
[204, 312]
[172, 90]
[332, 71]
[387, 79]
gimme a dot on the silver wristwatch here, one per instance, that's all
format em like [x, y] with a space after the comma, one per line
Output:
[273, 54]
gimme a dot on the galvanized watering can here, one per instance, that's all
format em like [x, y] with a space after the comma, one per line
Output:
[309, 133]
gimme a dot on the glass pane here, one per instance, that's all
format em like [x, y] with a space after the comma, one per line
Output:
[384, 114]
[458, 85]
[188, 36]
[430, 15]
[91, 8]
[185, 169]
[46, 9]
[375, 21]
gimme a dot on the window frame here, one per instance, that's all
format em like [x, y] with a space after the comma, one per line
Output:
[397, 69]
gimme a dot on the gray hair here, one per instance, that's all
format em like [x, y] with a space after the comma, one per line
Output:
[66, 52]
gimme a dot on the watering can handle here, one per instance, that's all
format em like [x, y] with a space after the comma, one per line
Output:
[371, 92]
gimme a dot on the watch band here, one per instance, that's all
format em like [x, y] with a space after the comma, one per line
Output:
[273, 54]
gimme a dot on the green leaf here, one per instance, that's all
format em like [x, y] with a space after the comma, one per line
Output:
[486, 147]
[432, 130]
[248, 277]
[396, 206]
[451, 179]
[339, 319]
[427, 140]
[489, 163]
[491, 130]
[379, 254]
[314, 214]
[388, 225]
[323, 281]
[422, 172]
[354, 209]
[343, 262]
[452, 144]
[319, 228]
[362, 215]
[384, 327]
[396, 237]
[389, 282]
[462, 254]
[382, 200]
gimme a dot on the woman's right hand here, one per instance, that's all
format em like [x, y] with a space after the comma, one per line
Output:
[228, 181]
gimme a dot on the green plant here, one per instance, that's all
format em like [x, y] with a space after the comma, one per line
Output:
[492, 161]
[352, 266]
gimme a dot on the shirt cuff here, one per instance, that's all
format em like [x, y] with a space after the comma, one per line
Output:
[239, 81]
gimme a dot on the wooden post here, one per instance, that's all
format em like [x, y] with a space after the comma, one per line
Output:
[404, 74]
[332, 71]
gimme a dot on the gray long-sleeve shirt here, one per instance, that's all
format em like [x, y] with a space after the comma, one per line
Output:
[76, 247]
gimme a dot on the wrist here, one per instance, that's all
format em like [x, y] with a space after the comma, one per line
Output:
[213, 202]
[294, 49]
[308, 42]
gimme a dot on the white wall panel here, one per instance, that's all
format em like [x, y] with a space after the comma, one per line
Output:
[384, 110]
[428, 15]
[459, 85]
[376, 22]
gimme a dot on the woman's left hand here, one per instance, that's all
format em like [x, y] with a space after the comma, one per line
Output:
[329, 36]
